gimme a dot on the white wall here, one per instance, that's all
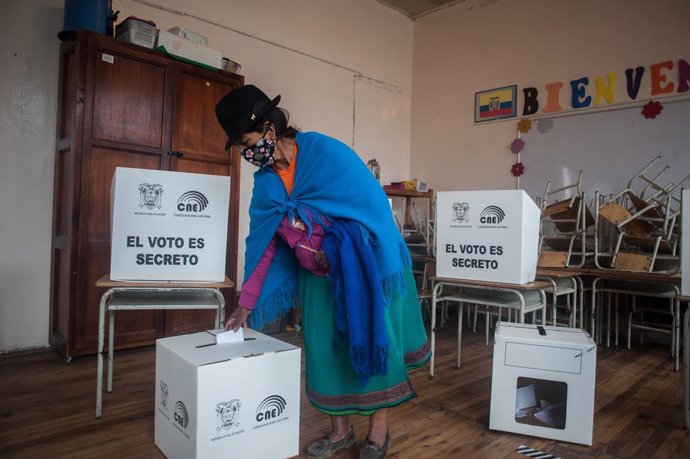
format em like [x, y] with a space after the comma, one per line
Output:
[469, 47]
[343, 68]
[347, 68]
[28, 87]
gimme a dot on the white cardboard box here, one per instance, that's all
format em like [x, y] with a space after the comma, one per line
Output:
[239, 400]
[168, 226]
[488, 235]
[543, 385]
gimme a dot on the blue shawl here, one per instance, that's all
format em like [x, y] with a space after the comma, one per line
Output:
[331, 181]
[359, 302]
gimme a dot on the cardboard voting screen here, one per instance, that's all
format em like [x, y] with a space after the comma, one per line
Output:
[168, 226]
[487, 235]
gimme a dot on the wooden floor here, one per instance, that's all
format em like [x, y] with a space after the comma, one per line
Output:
[47, 408]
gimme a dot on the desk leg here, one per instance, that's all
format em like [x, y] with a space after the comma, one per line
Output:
[434, 300]
[581, 299]
[676, 332]
[686, 369]
[608, 322]
[101, 332]
[220, 314]
[111, 350]
[592, 312]
[461, 309]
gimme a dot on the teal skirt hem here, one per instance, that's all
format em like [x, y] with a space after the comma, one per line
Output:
[332, 385]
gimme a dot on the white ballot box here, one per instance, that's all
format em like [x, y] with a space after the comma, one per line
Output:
[487, 235]
[227, 400]
[168, 226]
[543, 382]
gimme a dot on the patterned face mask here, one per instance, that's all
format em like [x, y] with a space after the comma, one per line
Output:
[261, 154]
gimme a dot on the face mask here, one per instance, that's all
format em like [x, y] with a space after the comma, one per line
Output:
[261, 154]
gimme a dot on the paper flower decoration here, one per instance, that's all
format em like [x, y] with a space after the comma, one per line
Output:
[544, 125]
[518, 169]
[524, 125]
[652, 109]
[517, 146]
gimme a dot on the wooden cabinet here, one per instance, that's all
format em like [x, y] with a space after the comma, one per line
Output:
[123, 105]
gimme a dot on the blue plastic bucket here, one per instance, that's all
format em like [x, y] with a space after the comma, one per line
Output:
[86, 14]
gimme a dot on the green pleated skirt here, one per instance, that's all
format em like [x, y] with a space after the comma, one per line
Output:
[332, 385]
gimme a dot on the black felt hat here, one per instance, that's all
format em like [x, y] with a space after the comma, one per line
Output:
[239, 110]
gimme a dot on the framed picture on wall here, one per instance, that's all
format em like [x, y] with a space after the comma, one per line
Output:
[495, 104]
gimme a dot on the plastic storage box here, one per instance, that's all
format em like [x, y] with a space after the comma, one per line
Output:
[137, 31]
[189, 35]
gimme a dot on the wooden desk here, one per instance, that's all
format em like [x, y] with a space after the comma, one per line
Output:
[523, 298]
[129, 296]
[672, 281]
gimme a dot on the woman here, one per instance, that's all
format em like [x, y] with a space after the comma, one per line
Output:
[322, 233]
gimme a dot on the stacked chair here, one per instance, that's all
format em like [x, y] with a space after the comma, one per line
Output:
[637, 230]
[644, 224]
[565, 241]
[564, 225]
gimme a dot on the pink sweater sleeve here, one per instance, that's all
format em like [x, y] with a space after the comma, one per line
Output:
[251, 289]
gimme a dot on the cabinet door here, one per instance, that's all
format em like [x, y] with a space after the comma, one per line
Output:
[126, 123]
[132, 328]
[129, 97]
[188, 321]
[199, 145]
[196, 132]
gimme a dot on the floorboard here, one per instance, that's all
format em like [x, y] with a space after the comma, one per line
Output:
[47, 407]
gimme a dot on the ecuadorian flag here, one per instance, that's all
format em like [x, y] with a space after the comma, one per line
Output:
[496, 104]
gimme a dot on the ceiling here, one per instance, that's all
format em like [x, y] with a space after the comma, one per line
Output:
[417, 8]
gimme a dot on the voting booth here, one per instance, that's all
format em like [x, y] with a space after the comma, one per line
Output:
[227, 400]
[168, 226]
[487, 235]
[543, 382]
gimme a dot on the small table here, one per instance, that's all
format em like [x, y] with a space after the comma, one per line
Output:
[523, 298]
[130, 296]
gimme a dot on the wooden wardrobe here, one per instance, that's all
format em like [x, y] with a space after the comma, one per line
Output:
[123, 105]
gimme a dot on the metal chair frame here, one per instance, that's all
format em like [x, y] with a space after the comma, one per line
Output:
[573, 228]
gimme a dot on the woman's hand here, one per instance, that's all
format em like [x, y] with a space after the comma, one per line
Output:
[237, 319]
[298, 224]
[321, 259]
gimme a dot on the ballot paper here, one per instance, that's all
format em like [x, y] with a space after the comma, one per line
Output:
[230, 336]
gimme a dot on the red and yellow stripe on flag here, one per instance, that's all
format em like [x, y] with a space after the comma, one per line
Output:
[496, 104]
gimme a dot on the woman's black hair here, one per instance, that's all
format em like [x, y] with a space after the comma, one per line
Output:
[279, 118]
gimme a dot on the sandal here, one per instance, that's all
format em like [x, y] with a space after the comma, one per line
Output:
[325, 447]
[371, 450]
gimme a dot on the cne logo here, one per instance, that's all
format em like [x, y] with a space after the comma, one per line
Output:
[492, 215]
[272, 407]
[192, 201]
[181, 416]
